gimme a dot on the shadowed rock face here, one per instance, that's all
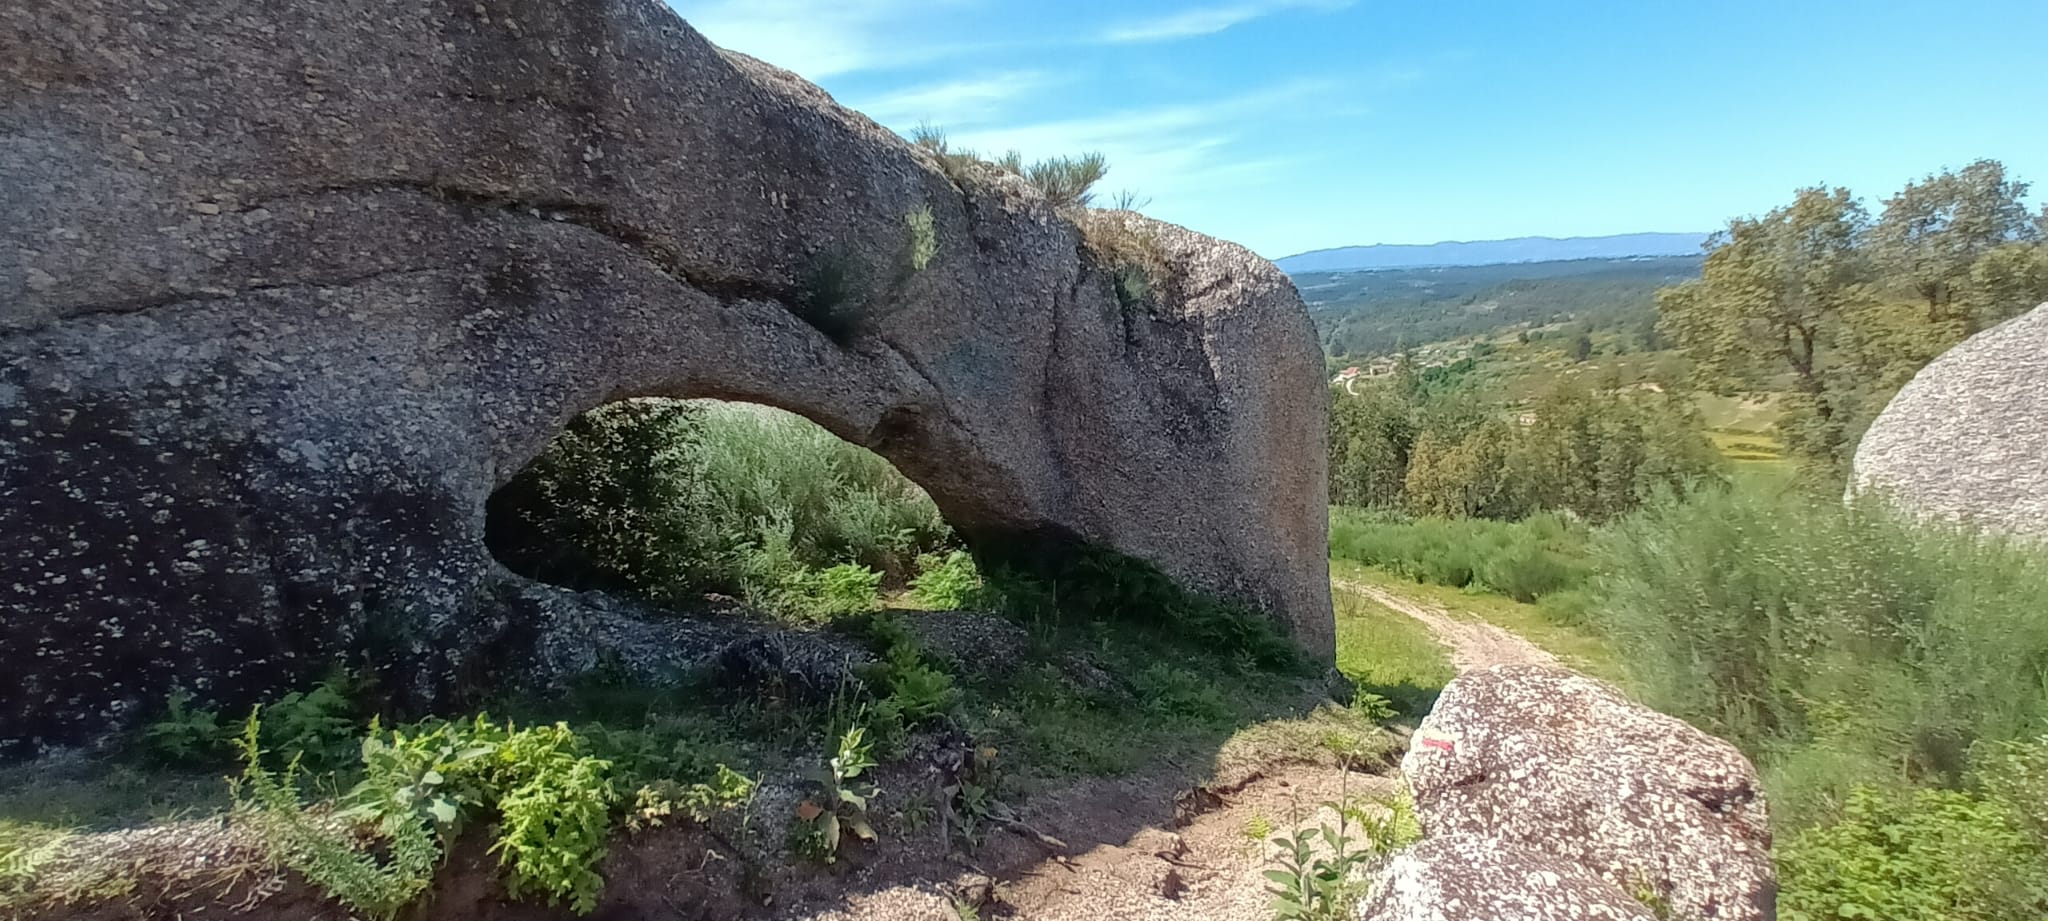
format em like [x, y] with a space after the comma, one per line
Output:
[286, 289]
[1966, 439]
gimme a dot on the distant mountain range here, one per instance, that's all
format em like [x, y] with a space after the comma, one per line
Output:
[1491, 252]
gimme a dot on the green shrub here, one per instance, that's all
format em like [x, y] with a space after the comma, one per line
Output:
[947, 582]
[421, 786]
[554, 808]
[910, 688]
[727, 789]
[670, 499]
[318, 726]
[25, 851]
[1527, 571]
[1525, 560]
[326, 849]
[187, 734]
[819, 595]
[1930, 855]
[1838, 645]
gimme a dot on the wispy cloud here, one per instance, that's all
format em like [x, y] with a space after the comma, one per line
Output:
[955, 103]
[820, 38]
[1209, 20]
[1163, 150]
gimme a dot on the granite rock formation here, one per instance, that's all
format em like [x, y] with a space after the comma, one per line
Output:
[287, 289]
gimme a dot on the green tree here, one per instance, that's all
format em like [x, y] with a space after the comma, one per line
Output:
[1371, 435]
[1770, 301]
[1932, 234]
[1582, 347]
[1465, 476]
[2007, 280]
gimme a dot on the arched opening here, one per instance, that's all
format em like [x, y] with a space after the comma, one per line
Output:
[675, 500]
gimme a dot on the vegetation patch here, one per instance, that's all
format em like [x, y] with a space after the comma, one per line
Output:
[670, 499]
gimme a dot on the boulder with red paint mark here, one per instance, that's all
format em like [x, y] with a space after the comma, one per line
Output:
[1543, 759]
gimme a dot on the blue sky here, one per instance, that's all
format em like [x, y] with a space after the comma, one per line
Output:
[1290, 125]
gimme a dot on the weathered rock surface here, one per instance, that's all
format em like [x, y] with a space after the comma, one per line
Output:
[1546, 760]
[286, 289]
[1476, 878]
[1966, 440]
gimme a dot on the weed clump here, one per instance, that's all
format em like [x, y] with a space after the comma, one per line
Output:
[924, 237]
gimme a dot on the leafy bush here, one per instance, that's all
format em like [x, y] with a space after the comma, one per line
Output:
[554, 806]
[1929, 855]
[25, 851]
[186, 734]
[910, 689]
[1838, 645]
[317, 726]
[823, 594]
[947, 582]
[420, 788]
[654, 802]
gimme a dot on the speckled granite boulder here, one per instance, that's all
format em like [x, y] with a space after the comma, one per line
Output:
[1966, 439]
[286, 289]
[1476, 878]
[1548, 760]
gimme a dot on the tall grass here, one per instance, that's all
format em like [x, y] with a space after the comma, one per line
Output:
[1525, 560]
[1838, 645]
[671, 499]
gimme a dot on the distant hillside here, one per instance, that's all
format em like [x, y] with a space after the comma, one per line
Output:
[1493, 252]
[1377, 312]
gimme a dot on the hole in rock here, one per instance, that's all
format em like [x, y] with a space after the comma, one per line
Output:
[670, 500]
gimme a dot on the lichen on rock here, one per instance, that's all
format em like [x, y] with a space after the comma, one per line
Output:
[1548, 761]
[1966, 440]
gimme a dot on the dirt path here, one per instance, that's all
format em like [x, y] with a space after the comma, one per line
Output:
[1472, 644]
[1191, 861]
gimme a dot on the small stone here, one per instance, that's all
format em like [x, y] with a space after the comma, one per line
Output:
[39, 280]
[206, 207]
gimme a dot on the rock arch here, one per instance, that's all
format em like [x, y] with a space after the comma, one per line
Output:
[286, 289]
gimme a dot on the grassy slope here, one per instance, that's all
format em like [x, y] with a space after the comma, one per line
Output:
[1389, 654]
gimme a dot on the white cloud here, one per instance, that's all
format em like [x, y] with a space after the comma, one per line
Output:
[1162, 151]
[954, 103]
[1209, 20]
[819, 38]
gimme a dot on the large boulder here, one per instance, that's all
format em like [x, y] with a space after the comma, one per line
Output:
[287, 289]
[1547, 760]
[1966, 440]
[1477, 878]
